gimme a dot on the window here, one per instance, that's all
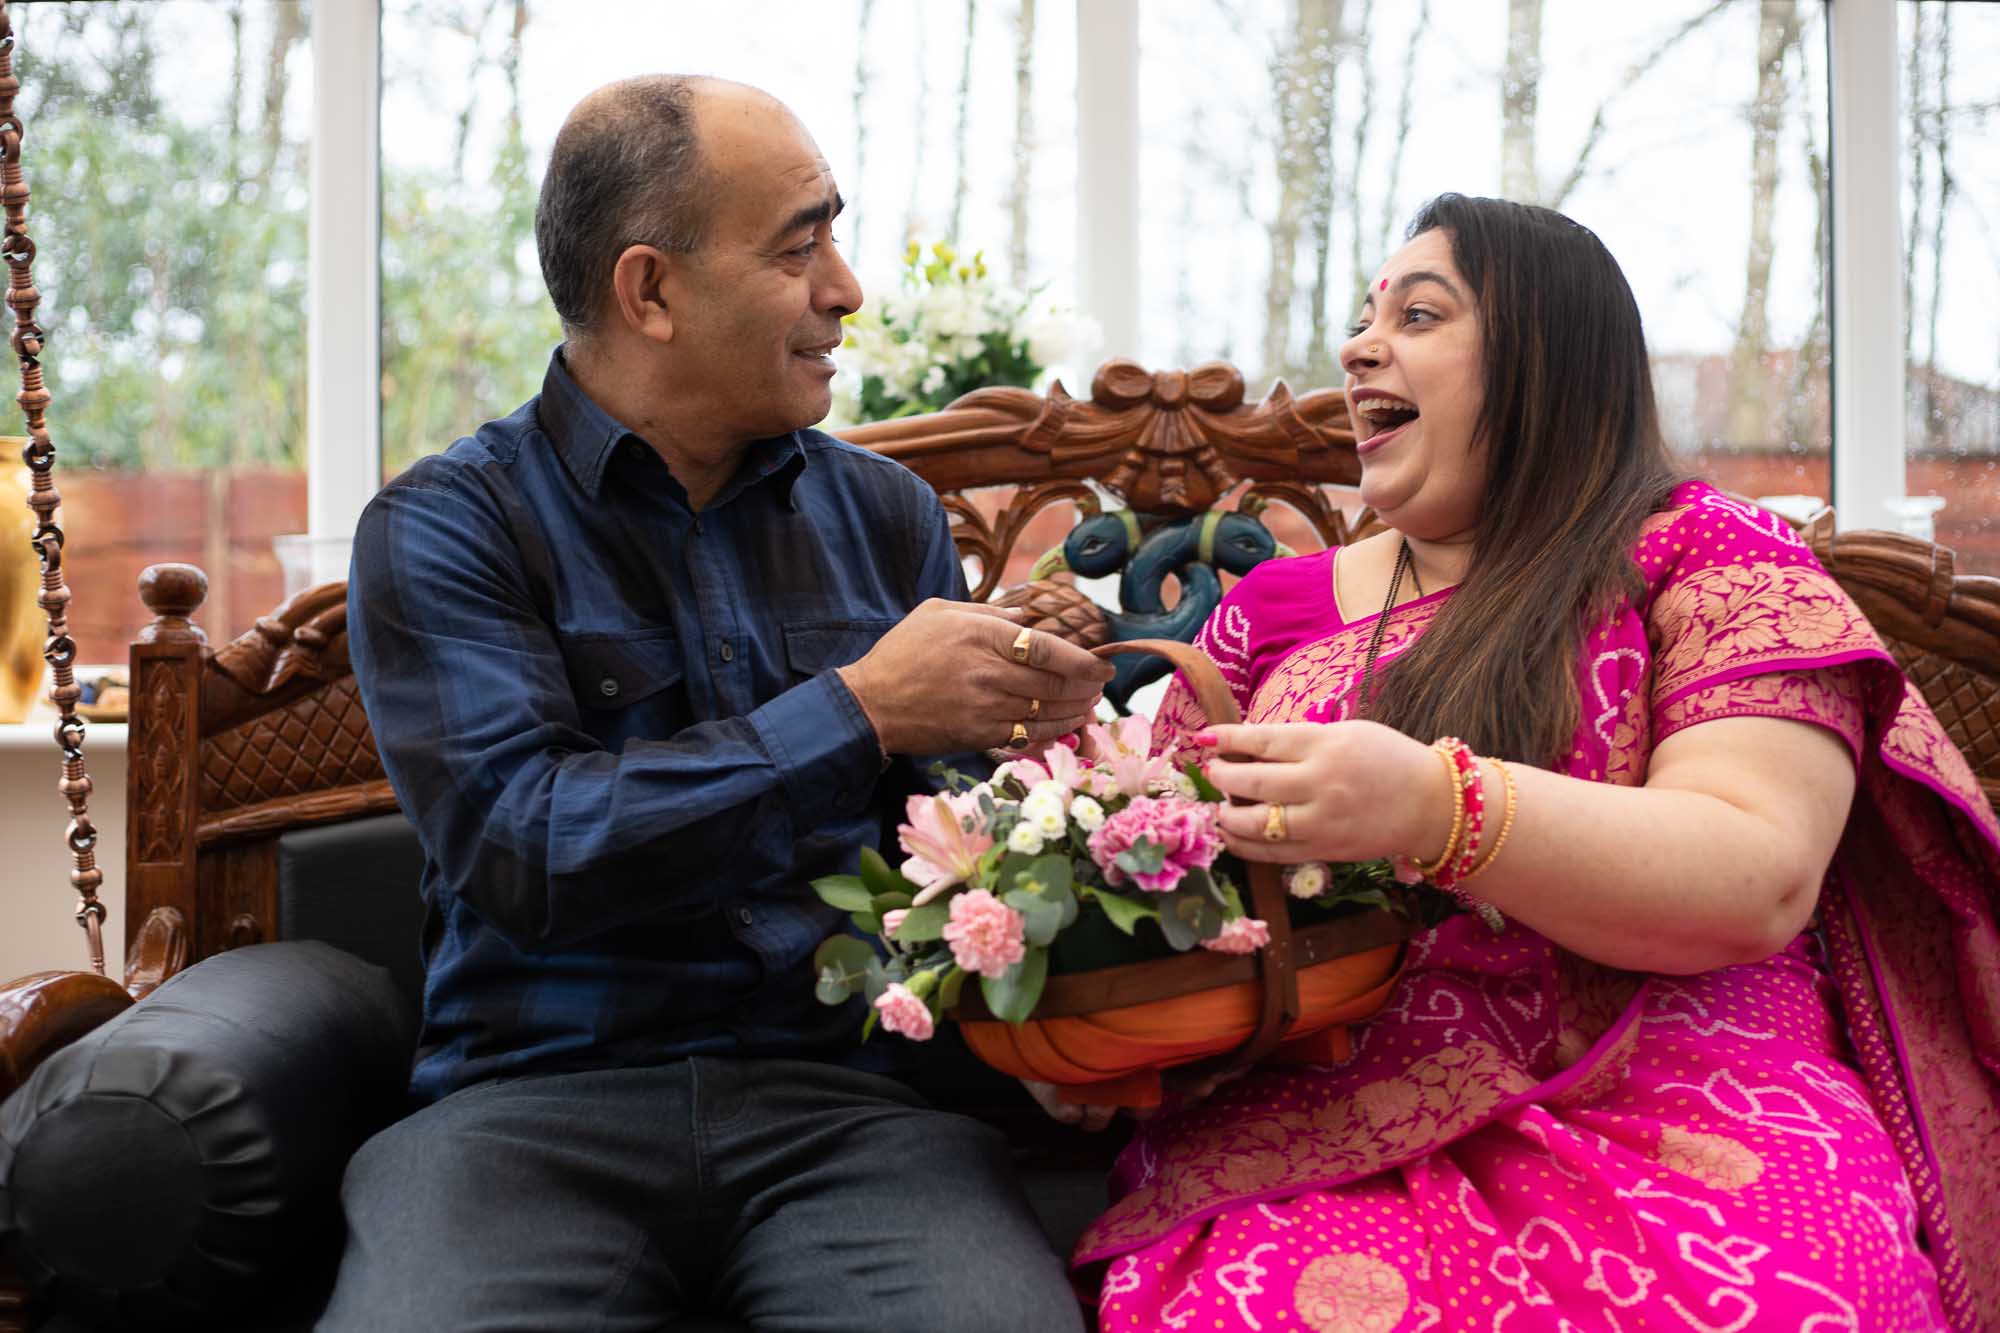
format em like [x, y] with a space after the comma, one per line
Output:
[1951, 275]
[1286, 143]
[166, 154]
[917, 105]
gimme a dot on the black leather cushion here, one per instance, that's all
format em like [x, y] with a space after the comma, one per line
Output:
[168, 1168]
[355, 884]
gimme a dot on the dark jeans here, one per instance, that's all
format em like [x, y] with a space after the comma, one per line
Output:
[784, 1194]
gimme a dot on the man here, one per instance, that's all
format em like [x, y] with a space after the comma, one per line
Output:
[638, 658]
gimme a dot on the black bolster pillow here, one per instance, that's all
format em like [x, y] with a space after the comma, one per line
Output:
[163, 1170]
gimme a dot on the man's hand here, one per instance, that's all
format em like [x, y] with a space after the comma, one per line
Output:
[1092, 1118]
[945, 679]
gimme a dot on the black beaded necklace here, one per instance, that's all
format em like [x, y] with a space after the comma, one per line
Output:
[1405, 560]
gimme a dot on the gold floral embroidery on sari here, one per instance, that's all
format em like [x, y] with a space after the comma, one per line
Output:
[1235, 1150]
[1729, 617]
[1329, 669]
[1831, 696]
[1716, 1160]
[1350, 1293]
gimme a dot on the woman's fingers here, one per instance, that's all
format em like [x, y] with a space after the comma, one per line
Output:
[1285, 741]
[1092, 1118]
[1258, 781]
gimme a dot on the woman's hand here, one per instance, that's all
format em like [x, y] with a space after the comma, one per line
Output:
[1352, 791]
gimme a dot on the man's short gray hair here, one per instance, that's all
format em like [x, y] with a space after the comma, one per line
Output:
[626, 170]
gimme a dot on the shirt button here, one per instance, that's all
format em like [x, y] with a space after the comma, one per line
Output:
[608, 688]
[746, 916]
[728, 651]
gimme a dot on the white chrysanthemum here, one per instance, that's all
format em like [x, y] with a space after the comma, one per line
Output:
[1025, 839]
[1088, 814]
[1308, 880]
[1043, 808]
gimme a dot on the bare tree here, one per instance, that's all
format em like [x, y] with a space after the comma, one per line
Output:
[288, 29]
[913, 215]
[1634, 72]
[1322, 357]
[1935, 434]
[1813, 350]
[1749, 412]
[860, 116]
[1024, 141]
[1302, 78]
[961, 184]
[1520, 89]
[1914, 81]
[235, 93]
[1403, 114]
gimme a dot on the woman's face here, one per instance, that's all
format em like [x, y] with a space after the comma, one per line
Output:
[1414, 391]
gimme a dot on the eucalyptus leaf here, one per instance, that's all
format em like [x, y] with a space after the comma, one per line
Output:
[1012, 867]
[1042, 917]
[844, 954]
[833, 987]
[876, 980]
[924, 923]
[846, 892]
[1053, 874]
[1013, 995]
[1124, 913]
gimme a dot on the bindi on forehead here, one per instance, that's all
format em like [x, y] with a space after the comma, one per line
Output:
[1383, 286]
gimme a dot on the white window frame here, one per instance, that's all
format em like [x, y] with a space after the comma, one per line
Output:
[344, 319]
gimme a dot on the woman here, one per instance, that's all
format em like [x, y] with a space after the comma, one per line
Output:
[1629, 1101]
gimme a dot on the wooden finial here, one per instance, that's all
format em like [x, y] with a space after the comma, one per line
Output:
[172, 593]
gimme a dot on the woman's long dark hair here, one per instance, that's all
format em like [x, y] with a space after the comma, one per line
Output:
[1577, 466]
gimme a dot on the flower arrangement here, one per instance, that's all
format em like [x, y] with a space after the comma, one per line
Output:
[1061, 863]
[946, 329]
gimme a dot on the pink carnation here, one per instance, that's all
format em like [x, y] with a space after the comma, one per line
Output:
[1184, 830]
[1246, 934]
[904, 1013]
[986, 936]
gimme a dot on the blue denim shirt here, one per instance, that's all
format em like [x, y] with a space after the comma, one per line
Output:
[617, 728]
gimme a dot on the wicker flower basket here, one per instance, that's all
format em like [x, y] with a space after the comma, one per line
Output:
[1106, 1036]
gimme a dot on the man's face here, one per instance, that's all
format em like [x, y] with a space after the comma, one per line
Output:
[757, 308]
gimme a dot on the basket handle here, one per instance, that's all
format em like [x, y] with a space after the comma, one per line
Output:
[1277, 968]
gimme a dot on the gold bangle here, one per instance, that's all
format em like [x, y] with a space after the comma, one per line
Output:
[1457, 816]
[1506, 827]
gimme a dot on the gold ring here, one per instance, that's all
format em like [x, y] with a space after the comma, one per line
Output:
[1021, 642]
[1019, 738]
[1275, 828]
[1034, 709]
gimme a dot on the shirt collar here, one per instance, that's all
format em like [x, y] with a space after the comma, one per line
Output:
[586, 438]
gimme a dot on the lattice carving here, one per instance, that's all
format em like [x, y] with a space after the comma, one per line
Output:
[1967, 702]
[311, 744]
[162, 697]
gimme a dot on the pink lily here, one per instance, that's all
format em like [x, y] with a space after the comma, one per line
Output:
[1125, 747]
[1064, 767]
[942, 851]
[1027, 770]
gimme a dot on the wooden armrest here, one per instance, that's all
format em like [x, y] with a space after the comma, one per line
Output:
[45, 1011]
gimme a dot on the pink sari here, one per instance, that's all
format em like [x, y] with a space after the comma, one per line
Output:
[1526, 1140]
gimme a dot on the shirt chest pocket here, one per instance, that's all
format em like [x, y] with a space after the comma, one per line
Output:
[813, 646]
[628, 684]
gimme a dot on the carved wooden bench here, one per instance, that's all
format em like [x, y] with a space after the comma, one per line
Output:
[233, 748]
